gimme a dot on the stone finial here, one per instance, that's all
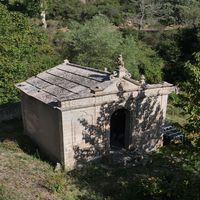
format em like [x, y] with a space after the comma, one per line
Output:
[120, 61]
[43, 15]
[142, 80]
[113, 75]
[121, 71]
[66, 61]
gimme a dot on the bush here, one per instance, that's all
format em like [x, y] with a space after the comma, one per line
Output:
[55, 182]
[191, 94]
[24, 52]
[94, 44]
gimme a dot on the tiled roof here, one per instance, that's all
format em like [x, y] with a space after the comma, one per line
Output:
[64, 82]
[69, 81]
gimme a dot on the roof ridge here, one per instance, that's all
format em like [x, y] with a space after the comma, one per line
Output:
[88, 68]
[74, 73]
[132, 81]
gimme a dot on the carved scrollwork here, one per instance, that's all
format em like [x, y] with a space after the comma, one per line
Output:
[122, 71]
[113, 75]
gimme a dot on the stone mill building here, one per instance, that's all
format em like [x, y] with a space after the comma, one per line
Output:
[76, 114]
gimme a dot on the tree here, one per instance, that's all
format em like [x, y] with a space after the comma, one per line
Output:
[33, 8]
[65, 10]
[141, 59]
[97, 44]
[191, 13]
[24, 51]
[147, 10]
[191, 95]
[141, 12]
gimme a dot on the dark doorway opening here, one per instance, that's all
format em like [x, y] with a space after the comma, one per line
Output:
[118, 123]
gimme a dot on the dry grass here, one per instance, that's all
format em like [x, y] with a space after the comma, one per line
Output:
[23, 174]
[26, 175]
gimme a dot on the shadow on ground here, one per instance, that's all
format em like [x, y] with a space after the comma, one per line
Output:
[173, 174]
[12, 138]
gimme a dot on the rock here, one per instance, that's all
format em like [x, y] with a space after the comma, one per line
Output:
[58, 167]
[126, 160]
[80, 166]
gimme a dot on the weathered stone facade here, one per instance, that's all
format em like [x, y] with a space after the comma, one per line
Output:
[76, 114]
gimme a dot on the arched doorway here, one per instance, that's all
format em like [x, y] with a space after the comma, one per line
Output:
[119, 128]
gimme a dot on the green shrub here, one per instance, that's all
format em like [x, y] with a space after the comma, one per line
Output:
[24, 52]
[55, 182]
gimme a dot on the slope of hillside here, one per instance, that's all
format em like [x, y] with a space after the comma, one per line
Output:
[25, 174]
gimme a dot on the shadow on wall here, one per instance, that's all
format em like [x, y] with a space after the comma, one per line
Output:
[146, 118]
[10, 111]
[12, 137]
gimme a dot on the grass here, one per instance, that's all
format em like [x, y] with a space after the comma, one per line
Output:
[25, 174]
[174, 115]
[4, 194]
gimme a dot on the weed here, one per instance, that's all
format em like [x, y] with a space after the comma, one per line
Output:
[173, 174]
[55, 182]
[4, 195]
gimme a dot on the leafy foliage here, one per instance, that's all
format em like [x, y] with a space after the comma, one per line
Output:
[141, 12]
[93, 44]
[97, 43]
[33, 8]
[191, 93]
[140, 59]
[175, 47]
[191, 12]
[64, 9]
[24, 52]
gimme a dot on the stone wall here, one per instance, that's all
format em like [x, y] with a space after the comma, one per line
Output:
[86, 131]
[42, 124]
[10, 111]
[79, 130]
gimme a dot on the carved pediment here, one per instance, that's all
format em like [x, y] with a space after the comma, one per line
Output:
[117, 85]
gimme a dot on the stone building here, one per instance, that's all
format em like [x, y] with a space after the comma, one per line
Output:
[76, 114]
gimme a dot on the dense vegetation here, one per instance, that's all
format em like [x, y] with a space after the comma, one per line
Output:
[156, 38]
[97, 44]
[24, 51]
[160, 39]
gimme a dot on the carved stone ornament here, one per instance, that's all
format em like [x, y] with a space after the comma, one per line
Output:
[120, 61]
[142, 80]
[122, 71]
[120, 85]
[66, 61]
[113, 75]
